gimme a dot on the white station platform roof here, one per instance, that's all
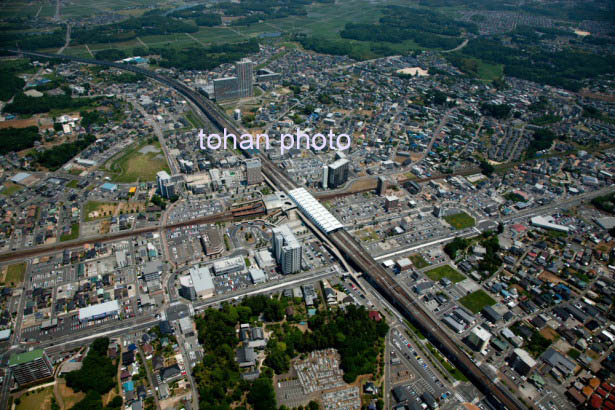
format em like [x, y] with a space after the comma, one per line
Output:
[314, 210]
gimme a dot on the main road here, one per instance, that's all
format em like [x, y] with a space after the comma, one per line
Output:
[345, 244]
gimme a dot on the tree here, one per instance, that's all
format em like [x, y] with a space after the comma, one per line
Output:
[486, 168]
[262, 395]
[98, 372]
[277, 359]
[313, 405]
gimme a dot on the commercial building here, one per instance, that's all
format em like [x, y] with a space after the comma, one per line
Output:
[257, 275]
[30, 366]
[230, 265]
[99, 311]
[547, 223]
[383, 185]
[197, 284]
[338, 172]
[478, 339]
[264, 259]
[211, 242]
[412, 187]
[287, 249]
[391, 202]
[314, 210]
[152, 270]
[453, 324]
[522, 362]
[254, 174]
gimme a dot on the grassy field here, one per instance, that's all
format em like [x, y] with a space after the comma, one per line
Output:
[489, 72]
[93, 210]
[135, 166]
[460, 220]
[40, 400]
[72, 184]
[455, 372]
[418, 261]
[194, 120]
[10, 188]
[476, 301]
[445, 272]
[74, 233]
[69, 397]
[15, 274]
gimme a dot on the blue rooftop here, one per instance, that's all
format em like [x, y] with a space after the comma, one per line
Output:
[107, 186]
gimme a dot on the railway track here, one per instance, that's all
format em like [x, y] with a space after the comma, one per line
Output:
[345, 243]
[42, 250]
[411, 309]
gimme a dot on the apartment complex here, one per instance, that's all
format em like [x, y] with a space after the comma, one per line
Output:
[287, 249]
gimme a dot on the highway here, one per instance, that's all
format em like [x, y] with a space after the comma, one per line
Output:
[346, 245]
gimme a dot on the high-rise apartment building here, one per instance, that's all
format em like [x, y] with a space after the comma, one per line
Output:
[169, 186]
[163, 179]
[254, 174]
[245, 79]
[240, 86]
[287, 249]
[338, 172]
[383, 185]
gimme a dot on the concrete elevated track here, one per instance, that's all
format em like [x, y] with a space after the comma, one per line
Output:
[495, 393]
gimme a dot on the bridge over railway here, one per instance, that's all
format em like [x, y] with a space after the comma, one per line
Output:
[496, 394]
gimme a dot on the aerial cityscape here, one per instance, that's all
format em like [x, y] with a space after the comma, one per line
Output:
[307, 204]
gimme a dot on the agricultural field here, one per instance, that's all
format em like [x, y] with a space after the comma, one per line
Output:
[321, 21]
[460, 221]
[137, 164]
[476, 301]
[445, 272]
